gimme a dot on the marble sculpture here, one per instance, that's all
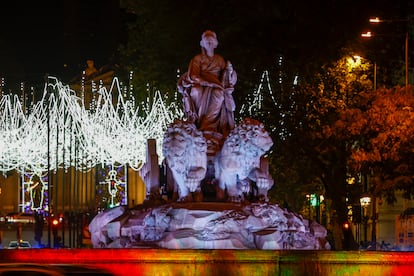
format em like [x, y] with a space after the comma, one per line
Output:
[208, 148]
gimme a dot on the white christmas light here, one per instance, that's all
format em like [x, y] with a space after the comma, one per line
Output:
[62, 129]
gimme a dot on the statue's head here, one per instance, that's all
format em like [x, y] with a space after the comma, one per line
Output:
[209, 36]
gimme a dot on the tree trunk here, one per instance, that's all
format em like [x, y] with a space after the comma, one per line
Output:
[337, 192]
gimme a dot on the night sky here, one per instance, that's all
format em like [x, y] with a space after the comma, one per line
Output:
[57, 36]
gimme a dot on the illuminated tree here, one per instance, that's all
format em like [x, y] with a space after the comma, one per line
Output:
[354, 131]
[380, 128]
[306, 160]
[339, 88]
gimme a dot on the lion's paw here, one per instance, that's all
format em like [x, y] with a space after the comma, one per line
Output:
[264, 183]
[192, 184]
[235, 199]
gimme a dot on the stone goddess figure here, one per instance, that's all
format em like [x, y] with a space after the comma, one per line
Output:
[207, 89]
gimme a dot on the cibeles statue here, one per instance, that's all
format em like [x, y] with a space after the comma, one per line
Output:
[209, 157]
[234, 152]
[207, 89]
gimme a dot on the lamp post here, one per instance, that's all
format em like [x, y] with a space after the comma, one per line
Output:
[309, 198]
[365, 201]
[377, 20]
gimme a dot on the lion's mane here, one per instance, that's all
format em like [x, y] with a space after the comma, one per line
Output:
[184, 148]
[240, 156]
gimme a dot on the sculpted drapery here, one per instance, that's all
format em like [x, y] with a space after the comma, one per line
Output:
[207, 89]
[230, 161]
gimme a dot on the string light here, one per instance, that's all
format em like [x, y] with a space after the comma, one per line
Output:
[109, 135]
[255, 103]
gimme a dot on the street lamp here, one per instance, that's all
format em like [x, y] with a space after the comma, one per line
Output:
[309, 198]
[367, 34]
[356, 61]
[365, 202]
[377, 20]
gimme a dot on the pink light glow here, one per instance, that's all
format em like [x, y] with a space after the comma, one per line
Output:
[222, 262]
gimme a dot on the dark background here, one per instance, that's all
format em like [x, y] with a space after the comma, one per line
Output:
[56, 37]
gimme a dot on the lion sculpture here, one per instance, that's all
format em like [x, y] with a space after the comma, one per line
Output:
[240, 164]
[184, 148]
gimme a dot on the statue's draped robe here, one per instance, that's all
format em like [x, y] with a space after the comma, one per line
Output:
[212, 107]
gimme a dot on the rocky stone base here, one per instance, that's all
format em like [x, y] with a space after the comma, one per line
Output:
[206, 225]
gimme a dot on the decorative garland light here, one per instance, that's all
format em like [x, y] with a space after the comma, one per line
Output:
[60, 129]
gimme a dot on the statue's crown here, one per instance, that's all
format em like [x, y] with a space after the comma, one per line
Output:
[209, 33]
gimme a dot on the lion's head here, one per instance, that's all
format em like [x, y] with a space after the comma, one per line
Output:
[249, 137]
[241, 153]
[182, 144]
[185, 150]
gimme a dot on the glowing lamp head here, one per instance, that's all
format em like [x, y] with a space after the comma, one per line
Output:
[55, 222]
[367, 34]
[345, 226]
[375, 20]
